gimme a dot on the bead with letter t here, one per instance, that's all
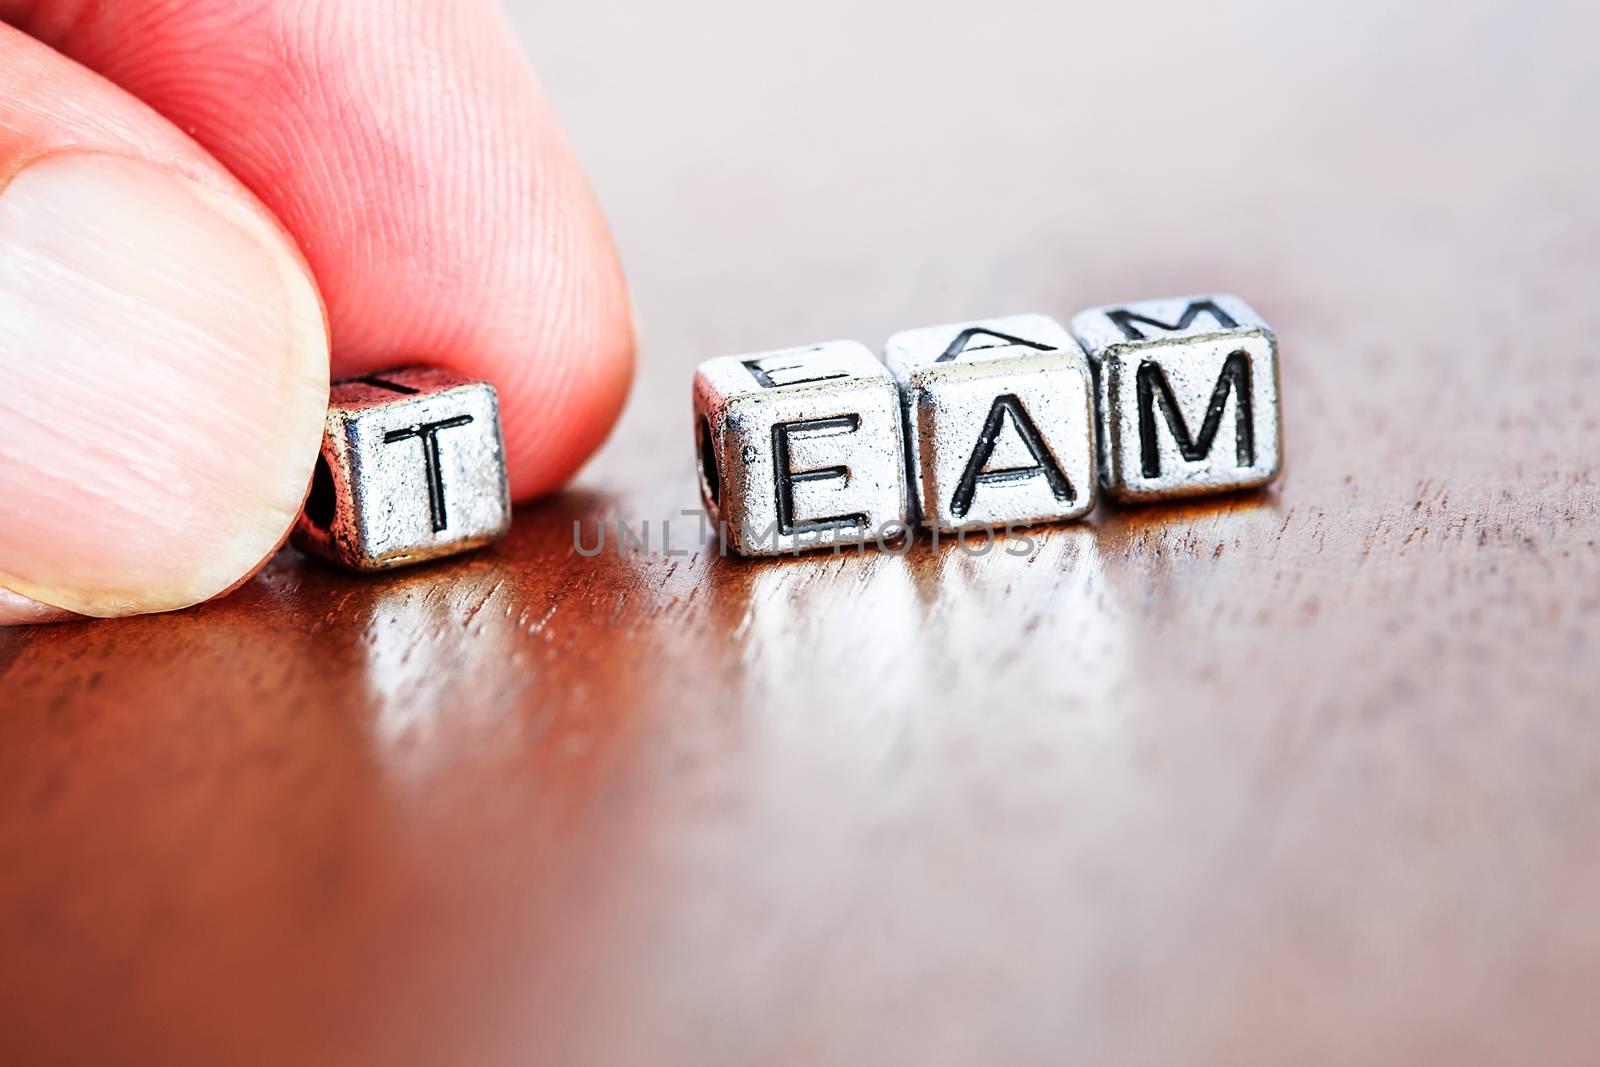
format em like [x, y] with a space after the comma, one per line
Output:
[800, 449]
[412, 468]
[999, 421]
[1188, 392]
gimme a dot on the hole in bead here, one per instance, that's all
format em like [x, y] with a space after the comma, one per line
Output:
[708, 462]
[320, 504]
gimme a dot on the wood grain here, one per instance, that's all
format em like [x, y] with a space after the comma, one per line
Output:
[1306, 776]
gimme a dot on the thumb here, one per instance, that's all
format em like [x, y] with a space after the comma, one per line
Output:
[163, 349]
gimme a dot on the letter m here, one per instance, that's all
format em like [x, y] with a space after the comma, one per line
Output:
[1154, 390]
[1125, 319]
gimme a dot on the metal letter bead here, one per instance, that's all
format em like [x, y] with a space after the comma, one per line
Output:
[800, 448]
[412, 468]
[1188, 393]
[999, 421]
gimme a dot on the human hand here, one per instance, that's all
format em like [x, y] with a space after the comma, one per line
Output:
[164, 352]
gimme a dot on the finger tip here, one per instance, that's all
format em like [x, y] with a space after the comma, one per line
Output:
[562, 401]
[18, 610]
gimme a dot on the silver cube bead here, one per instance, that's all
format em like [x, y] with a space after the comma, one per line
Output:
[800, 449]
[999, 421]
[412, 468]
[1188, 392]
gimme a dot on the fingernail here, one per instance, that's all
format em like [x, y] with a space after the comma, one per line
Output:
[164, 362]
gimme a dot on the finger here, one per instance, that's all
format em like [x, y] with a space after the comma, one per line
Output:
[162, 349]
[409, 150]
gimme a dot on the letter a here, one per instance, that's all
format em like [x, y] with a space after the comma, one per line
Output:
[1004, 406]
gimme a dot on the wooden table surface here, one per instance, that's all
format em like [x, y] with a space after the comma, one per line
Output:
[1308, 776]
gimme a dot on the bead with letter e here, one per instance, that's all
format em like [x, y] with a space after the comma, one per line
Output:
[800, 448]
